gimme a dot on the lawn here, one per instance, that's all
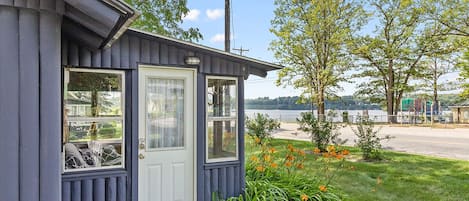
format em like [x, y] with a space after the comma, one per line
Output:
[399, 177]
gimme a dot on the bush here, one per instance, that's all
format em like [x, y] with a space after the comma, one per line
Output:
[260, 127]
[368, 140]
[322, 131]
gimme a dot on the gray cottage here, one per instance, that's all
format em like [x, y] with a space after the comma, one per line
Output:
[91, 110]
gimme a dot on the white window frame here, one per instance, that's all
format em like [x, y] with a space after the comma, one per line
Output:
[235, 119]
[122, 118]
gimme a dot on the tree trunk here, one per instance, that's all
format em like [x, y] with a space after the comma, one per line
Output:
[390, 94]
[321, 106]
[435, 83]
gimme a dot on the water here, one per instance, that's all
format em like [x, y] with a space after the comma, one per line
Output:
[291, 115]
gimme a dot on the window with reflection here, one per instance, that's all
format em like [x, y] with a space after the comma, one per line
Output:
[93, 119]
[222, 117]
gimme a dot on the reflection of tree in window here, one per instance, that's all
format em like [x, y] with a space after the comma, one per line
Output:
[94, 83]
[93, 119]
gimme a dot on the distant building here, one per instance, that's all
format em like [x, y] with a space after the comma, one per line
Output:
[460, 112]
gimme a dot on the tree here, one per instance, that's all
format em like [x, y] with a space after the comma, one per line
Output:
[463, 64]
[390, 58]
[164, 17]
[453, 15]
[311, 38]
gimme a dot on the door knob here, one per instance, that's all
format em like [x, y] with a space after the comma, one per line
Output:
[141, 156]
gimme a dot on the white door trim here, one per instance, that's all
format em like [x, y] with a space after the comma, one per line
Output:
[195, 93]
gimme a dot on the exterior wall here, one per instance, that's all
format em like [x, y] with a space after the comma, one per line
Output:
[30, 112]
[126, 53]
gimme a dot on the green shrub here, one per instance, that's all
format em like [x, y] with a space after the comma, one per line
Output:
[260, 127]
[368, 140]
[322, 131]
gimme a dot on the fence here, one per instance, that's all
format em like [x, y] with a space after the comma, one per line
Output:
[396, 119]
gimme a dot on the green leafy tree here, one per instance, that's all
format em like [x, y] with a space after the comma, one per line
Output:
[463, 64]
[453, 15]
[391, 57]
[164, 17]
[310, 41]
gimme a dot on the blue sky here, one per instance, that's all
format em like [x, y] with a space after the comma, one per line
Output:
[250, 29]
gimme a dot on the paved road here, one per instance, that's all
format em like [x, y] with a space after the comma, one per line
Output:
[440, 142]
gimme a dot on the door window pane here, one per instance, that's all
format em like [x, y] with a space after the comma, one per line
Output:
[164, 113]
[93, 127]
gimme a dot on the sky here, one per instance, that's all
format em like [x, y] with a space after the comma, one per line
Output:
[250, 26]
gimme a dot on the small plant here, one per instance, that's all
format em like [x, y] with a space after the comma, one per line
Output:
[368, 140]
[260, 127]
[322, 131]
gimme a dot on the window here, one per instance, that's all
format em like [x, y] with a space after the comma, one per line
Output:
[222, 119]
[93, 119]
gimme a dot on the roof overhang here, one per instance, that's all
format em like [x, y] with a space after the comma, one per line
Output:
[255, 66]
[97, 23]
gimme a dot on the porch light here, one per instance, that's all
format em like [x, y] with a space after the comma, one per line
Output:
[192, 60]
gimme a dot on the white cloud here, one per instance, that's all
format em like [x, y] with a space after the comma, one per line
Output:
[214, 14]
[192, 15]
[218, 38]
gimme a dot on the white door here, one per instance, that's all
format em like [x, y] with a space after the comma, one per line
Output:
[166, 134]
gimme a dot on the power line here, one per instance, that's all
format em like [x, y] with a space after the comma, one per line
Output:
[241, 50]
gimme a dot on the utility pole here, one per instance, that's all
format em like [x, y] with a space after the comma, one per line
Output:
[241, 50]
[227, 25]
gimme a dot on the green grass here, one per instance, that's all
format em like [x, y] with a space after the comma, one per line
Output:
[403, 176]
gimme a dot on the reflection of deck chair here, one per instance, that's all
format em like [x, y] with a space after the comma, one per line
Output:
[73, 157]
[96, 151]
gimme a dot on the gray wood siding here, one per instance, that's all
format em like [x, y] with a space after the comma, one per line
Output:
[126, 53]
[107, 188]
[30, 112]
[133, 49]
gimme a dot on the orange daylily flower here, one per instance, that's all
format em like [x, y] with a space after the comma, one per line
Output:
[273, 165]
[288, 164]
[339, 156]
[272, 150]
[326, 155]
[301, 152]
[290, 157]
[254, 158]
[304, 197]
[345, 152]
[300, 166]
[316, 150]
[258, 140]
[322, 188]
[260, 168]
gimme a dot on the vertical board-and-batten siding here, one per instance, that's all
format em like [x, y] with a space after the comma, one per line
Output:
[126, 53]
[30, 100]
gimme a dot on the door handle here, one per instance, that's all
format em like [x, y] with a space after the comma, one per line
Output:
[141, 156]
